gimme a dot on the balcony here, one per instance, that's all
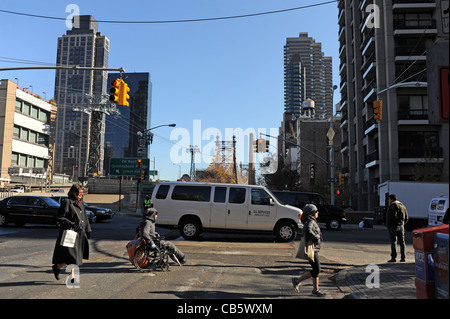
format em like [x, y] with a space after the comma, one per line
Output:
[371, 159]
[415, 26]
[370, 90]
[420, 152]
[413, 4]
[412, 114]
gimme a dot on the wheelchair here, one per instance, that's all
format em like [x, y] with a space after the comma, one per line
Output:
[147, 258]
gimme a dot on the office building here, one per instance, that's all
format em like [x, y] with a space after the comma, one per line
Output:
[86, 47]
[26, 136]
[393, 55]
[121, 138]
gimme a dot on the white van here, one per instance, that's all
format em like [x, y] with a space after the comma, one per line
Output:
[194, 207]
[436, 210]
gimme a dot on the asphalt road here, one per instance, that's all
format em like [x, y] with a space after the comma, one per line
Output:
[219, 265]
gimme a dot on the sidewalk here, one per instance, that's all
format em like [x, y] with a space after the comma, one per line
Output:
[396, 281]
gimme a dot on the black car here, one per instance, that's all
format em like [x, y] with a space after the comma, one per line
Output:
[28, 209]
[90, 214]
[333, 216]
[100, 212]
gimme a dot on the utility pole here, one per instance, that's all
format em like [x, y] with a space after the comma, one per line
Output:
[193, 150]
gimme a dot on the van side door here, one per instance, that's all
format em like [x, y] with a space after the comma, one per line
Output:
[237, 208]
[262, 210]
[218, 217]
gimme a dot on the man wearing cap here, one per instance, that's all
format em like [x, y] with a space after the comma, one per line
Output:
[147, 230]
[396, 218]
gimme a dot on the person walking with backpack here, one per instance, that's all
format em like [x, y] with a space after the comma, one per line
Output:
[396, 218]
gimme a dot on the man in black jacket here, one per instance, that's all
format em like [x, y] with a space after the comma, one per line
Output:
[396, 218]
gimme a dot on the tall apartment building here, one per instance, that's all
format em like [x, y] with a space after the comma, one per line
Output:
[307, 75]
[26, 135]
[121, 138]
[81, 46]
[392, 55]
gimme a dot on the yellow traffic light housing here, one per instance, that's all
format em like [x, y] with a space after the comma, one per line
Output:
[341, 179]
[124, 97]
[115, 90]
[378, 110]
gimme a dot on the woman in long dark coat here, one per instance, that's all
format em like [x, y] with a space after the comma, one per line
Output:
[72, 215]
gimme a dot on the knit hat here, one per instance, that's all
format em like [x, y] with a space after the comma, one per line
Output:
[309, 209]
[150, 213]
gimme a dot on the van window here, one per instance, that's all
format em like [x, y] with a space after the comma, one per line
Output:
[192, 193]
[219, 194]
[441, 204]
[162, 191]
[237, 195]
[433, 204]
[260, 197]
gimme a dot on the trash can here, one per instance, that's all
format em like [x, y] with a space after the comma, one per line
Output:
[441, 265]
[423, 242]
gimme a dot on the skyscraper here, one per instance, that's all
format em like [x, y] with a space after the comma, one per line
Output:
[391, 51]
[81, 46]
[121, 138]
[307, 75]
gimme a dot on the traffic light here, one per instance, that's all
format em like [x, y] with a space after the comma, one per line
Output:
[260, 145]
[378, 110]
[338, 192]
[267, 146]
[341, 179]
[142, 174]
[139, 163]
[115, 90]
[124, 89]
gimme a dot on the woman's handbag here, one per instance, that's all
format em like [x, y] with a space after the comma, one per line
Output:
[305, 250]
[68, 238]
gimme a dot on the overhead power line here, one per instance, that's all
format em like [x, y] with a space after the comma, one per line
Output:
[178, 21]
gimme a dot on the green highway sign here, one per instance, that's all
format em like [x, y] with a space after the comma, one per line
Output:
[127, 166]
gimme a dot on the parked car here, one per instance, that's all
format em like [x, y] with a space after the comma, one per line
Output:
[20, 189]
[90, 214]
[333, 216]
[28, 209]
[100, 212]
[17, 189]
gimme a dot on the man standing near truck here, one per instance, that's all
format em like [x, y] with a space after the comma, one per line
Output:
[396, 218]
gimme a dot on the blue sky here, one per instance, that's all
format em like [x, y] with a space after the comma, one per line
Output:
[227, 73]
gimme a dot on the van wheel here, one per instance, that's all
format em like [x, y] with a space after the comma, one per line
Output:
[285, 231]
[189, 229]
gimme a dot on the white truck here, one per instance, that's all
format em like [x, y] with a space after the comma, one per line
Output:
[415, 196]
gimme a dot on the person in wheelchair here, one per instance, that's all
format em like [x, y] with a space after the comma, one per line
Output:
[151, 237]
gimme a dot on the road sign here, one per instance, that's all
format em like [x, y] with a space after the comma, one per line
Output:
[127, 166]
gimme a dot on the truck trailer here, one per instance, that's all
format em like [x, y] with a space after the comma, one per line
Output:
[415, 196]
